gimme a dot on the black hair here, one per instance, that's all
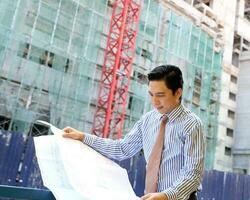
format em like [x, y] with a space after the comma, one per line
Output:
[171, 75]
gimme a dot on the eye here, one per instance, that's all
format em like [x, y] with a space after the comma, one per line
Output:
[160, 95]
[150, 94]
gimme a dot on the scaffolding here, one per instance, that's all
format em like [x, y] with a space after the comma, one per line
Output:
[51, 56]
[51, 53]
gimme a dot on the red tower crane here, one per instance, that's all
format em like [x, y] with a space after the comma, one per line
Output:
[116, 69]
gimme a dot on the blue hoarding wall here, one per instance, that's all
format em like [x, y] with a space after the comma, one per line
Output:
[18, 167]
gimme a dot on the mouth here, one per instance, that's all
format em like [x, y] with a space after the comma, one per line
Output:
[159, 108]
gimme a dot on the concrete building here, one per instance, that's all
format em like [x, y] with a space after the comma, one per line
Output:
[232, 147]
[241, 58]
[51, 56]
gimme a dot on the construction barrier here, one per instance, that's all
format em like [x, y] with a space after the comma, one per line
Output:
[20, 177]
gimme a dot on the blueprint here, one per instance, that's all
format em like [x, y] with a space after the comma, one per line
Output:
[73, 170]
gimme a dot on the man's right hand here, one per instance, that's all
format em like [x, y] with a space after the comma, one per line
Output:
[73, 134]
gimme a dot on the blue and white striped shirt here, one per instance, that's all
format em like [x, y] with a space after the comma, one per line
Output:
[182, 162]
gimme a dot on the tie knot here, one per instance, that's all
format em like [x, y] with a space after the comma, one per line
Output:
[164, 119]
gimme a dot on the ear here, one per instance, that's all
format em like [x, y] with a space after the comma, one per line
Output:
[178, 93]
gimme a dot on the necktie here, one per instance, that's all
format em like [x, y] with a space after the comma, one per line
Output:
[155, 160]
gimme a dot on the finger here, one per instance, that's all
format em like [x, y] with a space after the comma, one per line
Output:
[67, 129]
[68, 134]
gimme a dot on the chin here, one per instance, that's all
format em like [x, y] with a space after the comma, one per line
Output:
[161, 111]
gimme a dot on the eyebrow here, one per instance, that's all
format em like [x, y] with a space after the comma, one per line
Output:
[158, 93]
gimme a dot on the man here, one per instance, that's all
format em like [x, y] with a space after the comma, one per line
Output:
[170, 136]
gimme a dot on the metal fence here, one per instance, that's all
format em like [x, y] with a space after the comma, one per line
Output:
[19, 168]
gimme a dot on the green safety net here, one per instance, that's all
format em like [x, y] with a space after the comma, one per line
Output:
[51, 53]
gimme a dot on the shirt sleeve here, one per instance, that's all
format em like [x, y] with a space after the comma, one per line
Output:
[191, 173]
[118, 149]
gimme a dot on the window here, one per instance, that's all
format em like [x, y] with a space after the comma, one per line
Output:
[235, 58]
[141, 78]
[197, 88]
[146, 54]
[36, 54]
[23, 50]
[241, 170]
[50, 59]
[130, 102]
[4, 122]
[231, 114]
[230, 132]
[247, 10]
[196, 99]
[66, 67]
[233, 79]
[46, 58]
[111, 3]
[26, 50]
[232, 96]
[136, 106]
[228, 151]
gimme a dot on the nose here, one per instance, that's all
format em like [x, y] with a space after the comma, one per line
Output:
[155, 100]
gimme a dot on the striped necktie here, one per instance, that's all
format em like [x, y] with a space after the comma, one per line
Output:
[154, 161]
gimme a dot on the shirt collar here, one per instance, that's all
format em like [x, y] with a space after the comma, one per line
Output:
[174, 113]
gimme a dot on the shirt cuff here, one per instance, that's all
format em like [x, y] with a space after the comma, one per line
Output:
[171, 194]
[89, 139]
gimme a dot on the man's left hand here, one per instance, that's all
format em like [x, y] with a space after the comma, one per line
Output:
[154, 196]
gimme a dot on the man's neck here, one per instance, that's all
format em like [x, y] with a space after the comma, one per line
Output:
[174, 107]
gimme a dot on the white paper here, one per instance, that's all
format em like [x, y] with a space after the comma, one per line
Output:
[72, 170]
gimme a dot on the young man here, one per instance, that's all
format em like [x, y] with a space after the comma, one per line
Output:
[170, 136]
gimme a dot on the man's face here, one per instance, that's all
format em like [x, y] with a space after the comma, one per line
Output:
[163, 98]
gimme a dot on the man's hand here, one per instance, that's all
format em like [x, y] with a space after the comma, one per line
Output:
[154, 196]
[73, 134]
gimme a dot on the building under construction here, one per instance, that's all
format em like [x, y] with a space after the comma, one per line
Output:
[60, 60]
